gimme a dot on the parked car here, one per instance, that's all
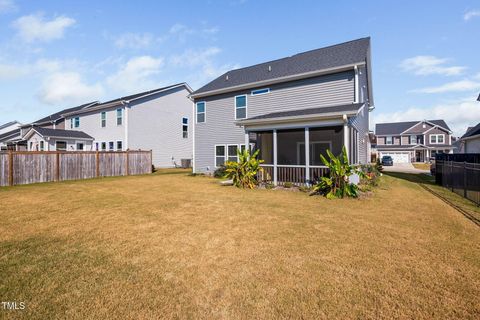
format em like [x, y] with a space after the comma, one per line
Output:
[387, 161]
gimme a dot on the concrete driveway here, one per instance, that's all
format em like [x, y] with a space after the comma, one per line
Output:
[404, 167]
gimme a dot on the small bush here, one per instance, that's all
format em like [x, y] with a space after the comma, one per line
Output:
[288, 185]
[220, 172]
[269, 185]
[305, 189]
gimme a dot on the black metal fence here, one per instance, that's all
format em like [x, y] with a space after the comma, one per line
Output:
[462, 177]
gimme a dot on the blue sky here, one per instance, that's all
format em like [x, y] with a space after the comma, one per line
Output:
[57, 54]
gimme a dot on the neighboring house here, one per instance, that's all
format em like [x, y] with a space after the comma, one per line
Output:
[47, 139]
[9, 133]
[413, 141]
[470, 141]
[320, 98]
[9, 127]
[157, 120]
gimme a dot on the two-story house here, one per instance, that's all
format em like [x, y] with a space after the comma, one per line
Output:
[413, 141]
[157, 120]
[9, 133]
[319, 98]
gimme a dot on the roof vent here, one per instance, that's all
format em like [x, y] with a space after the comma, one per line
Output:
[226, 77]
[269, 68]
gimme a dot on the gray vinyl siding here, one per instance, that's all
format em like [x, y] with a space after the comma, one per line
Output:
[472, 145]
[361, 121]
[436, 131]
[155, 123]
[220, 128]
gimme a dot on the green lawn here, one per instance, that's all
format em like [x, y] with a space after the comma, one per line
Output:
[170, 245]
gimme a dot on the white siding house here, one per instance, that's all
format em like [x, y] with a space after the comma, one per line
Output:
[157, 120]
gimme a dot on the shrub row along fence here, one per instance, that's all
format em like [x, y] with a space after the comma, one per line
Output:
[34, 167]
[462, 178]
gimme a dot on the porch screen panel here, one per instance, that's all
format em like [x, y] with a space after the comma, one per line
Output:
[322, 139]
[291, 147]
[263, 141]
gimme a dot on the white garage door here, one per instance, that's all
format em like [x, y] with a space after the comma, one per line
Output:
[398, 157]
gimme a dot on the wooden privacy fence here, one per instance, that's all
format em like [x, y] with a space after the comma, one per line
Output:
[34, 167]
[462, 178]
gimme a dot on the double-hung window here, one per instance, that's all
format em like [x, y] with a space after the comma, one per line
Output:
[76, 122]
[119, 117]
[437, 138]
[220, 155]
[389, 140]
[103, 118]
[110, 146]
[185, 128]
[413, 140]
[201, 108]
[104, 146]
[42, 146]
[232, 152]
[241, 107]
[119, 146]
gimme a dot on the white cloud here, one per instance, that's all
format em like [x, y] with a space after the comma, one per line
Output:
[7, 6]
[471, 14]
[458, 114]
[192, 58]
[10, 72]
[136, 74]
[68, 88]
[35, 27]
[456, 86]
[427, 65]
[134, 40]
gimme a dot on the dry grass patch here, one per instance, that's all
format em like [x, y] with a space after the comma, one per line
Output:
[175, 246]
[421, 166]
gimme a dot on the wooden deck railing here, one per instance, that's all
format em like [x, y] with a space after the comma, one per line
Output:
[21, 167]
[291, 174]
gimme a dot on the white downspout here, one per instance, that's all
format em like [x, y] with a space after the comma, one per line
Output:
[356, 93]
[346, 136]
[194, 123]
[275, 178]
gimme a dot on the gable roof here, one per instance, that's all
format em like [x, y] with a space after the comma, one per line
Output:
[8, 124]
[472, 131]
[331, 57]
[399, 127]
[58, 115]
[127, 99]
[7, 136]
[478, 99]
[59, 133]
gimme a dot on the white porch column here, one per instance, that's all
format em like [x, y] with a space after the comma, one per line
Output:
[346, 135]
[247, 141]
[307, 154]
[427, 155]
[356, 94]
[275, 156]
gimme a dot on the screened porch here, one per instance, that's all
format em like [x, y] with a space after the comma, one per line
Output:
[287, 160]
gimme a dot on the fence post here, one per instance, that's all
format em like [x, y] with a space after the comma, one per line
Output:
[57, 169]
[151, 162]
[97, 164]
[10, 168]
[127, 169]
[465, 179]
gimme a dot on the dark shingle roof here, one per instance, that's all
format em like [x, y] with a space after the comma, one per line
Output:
[478, 99]
[9, 124]
[141, 94]
[343, 54]
[404, 147]
[9, 134]
[472, 131]
[313, 111]
[47, 132]
[58, 115]
[399, 127]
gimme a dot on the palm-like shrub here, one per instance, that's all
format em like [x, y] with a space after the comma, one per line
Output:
[337, 184]
[243, 173]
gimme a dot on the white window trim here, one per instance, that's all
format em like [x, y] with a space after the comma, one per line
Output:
[386, 140]
[215, 154]
[111, 149]
[416, 139]
[204, 111]
[102, 149]
[116, 145]
[235, 106]
[252, 93]
[101, 119]
[436, 140]
[117, 117]
[188, 128]
[226, 152]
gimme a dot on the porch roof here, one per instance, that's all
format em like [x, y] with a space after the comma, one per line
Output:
[305, 114]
